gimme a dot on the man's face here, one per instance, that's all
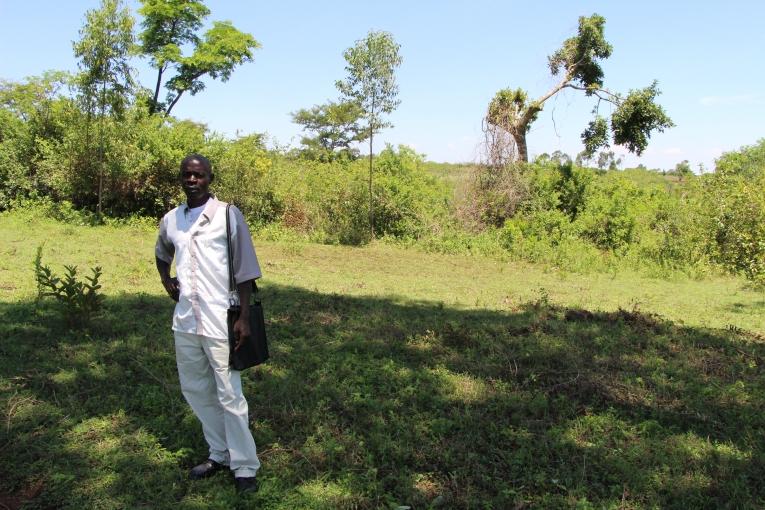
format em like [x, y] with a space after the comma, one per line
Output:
[195, 180]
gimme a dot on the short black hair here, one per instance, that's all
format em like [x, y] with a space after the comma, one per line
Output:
[197, 157]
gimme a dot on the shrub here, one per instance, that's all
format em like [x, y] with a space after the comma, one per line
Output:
[80, 299]
[738, 223]
[678, 235]
[243, 178]
[608, 218]
[330, 201]
[571, 188]
[407, 199]
[494, 195]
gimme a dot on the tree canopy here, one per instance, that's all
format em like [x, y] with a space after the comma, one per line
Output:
[170, 24]
[105, 45]
[335, 128]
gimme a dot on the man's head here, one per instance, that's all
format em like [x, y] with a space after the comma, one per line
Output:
[196, 176]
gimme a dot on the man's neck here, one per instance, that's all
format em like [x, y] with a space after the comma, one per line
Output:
[193, 203]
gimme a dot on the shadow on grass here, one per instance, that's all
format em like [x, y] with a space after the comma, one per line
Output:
[756, 306]
[375, 402]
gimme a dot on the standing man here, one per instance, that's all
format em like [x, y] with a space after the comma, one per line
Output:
[194, 233]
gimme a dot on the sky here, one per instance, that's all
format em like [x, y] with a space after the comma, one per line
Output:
[705, 55]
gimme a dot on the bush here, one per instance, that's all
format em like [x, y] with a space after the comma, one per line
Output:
[678, 236]
[738, 223]
[608, 219]
[494, 195]
[407, 200]
[80, 299]
[242, 169]
[330, 201]
[571, 188]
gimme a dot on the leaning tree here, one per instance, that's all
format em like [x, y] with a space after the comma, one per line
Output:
[577, 63]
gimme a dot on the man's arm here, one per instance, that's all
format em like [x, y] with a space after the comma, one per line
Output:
[242, 325]
[170, 283]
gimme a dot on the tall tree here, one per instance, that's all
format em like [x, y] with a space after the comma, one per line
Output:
[167, 26]
[371, 64]
[334, 127]
[105, 80]
[577, 63]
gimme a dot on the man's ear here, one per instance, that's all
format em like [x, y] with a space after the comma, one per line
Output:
[212, 177]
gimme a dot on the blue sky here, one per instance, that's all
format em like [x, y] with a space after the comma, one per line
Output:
[706, 56]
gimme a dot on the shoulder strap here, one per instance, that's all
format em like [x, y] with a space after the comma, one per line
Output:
[231, 281]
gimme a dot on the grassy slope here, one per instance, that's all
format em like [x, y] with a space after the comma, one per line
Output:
[397, 378]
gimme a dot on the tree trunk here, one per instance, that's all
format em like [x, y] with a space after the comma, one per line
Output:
[371, 203]
[520, 143]
[101, 152]
[155, 100]
[177, 97]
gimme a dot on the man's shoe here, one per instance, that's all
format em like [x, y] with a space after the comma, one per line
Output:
[246, 484]
[205, 469]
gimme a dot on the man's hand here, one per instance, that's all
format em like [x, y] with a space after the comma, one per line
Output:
[170, 283]
[172, 287]
[241, 331]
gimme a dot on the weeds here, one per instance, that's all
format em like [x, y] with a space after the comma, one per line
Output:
[80, 298]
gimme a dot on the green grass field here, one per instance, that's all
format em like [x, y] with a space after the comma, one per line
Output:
[397, 378]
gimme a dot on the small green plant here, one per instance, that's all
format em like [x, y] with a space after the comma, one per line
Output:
[81, 299]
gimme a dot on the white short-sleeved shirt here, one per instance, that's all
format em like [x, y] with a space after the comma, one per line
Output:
[201, 264]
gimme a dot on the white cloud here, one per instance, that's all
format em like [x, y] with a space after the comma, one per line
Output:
[732, 100]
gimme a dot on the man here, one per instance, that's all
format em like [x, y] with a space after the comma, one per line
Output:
[194, 234]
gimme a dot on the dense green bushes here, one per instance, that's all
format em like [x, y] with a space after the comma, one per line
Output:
[328, 202]
[580, 218]
[736, 219]
[576, 218]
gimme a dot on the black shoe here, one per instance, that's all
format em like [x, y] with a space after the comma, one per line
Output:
[246, 484]
[205, 469]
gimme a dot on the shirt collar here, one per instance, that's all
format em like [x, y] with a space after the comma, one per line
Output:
[208, 212]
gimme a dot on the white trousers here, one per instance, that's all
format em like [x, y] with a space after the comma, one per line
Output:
[214, 392]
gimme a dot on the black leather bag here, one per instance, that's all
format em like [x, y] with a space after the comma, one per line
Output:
[255, 350]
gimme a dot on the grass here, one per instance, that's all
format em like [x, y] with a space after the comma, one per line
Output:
[397, 378]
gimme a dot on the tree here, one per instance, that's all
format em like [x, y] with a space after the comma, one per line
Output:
[560, 158]
[371, 84]
[105, 80]
[683, 169]
[335, 127]
[106, 41]
[167, 26]
[607, 159]
[577, 63]
[32, 120]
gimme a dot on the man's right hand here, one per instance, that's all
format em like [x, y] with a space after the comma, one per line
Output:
[172, 287]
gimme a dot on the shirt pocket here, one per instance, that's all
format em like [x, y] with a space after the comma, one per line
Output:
[213, 243]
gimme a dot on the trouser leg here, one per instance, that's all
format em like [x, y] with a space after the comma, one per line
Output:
[241, 446]
[199, 389]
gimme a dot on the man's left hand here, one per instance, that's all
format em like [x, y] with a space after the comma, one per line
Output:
[241, 331]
